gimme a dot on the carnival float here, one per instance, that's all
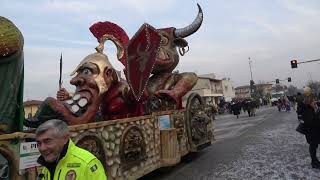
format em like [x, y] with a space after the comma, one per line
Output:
[133, 125]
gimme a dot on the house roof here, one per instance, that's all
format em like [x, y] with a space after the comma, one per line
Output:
[32, 102]
[242, 87]
[248, 86]
[204, 77]
[211, 75]
[264, 84]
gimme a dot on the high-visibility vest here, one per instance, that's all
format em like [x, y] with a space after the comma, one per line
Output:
[77, 164]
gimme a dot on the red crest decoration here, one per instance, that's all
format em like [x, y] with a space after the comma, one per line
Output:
[142, 51]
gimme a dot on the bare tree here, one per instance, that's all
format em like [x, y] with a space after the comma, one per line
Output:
[314, 85]
[278, 87]
[260, 90]
[292, 90]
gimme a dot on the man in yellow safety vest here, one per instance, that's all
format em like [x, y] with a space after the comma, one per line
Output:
[61, 158]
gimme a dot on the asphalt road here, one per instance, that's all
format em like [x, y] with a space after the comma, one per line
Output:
[262, 147]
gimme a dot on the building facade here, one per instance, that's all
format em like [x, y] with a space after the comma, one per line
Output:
[228, 89]
[212, 90]
[242, 92]
[262, 90]
[265, 88]
[30, 108]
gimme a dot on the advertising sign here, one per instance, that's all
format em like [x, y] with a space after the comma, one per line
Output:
[164, 122]
[29, 154]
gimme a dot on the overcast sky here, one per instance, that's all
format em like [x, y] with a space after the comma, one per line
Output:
[271, 32]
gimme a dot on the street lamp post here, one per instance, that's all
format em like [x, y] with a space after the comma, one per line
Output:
[252, 89]
[250, 68]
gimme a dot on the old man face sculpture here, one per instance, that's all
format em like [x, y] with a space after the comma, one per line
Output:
[99, 94]
[93, 77]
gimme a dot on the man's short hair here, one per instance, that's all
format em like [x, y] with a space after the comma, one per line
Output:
[60, 127]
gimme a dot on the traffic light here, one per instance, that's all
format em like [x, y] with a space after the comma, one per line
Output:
[294, 64]
[277, 81]
[289, 79]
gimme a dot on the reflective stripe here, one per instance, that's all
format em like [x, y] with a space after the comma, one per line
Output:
[59, 174]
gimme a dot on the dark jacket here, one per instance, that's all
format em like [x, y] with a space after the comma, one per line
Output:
[311, 122]
[236, 108]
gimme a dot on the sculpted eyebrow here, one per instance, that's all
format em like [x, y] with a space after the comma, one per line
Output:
[90, 66]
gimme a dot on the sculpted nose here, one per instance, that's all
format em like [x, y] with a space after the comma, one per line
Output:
[77, 81]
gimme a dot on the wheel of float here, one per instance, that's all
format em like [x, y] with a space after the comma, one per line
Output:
[93, 144]
[8, 167]
[4, 168]
[153, 104]
[194, 104]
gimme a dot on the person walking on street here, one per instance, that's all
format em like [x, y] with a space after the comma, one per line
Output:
[61, 158]
[236, 108]
[309, 114]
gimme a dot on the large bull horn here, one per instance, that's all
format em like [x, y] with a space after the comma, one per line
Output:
[192, 28]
